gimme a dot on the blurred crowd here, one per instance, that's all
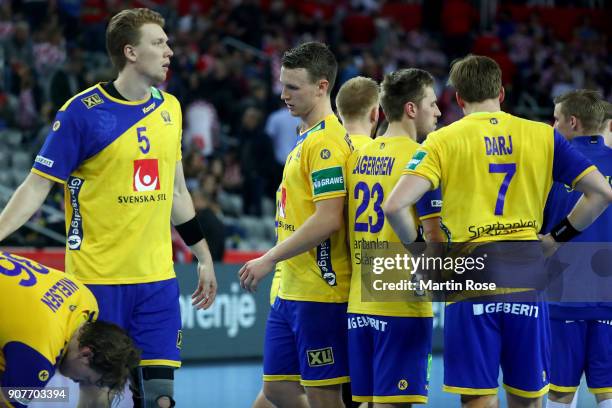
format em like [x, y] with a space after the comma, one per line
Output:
[226, 64]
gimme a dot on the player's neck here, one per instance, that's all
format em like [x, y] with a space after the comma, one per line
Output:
[490, 105]
[358, 127]
[317, 114]
[131, 86]
[401, 128]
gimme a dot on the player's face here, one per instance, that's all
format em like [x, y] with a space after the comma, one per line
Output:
[75, 365]
[427, 114]
[299, 93]
[562, 123]
[153, 53]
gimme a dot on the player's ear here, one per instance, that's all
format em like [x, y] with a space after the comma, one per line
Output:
[129, 52]
[573, 121]
[323, 86]
[459, 100]
[410, 109]
[502, 95]
[374, 114]
[85, 354]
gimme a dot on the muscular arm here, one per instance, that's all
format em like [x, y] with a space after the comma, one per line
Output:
[183, 211]
[326, 220]
[26, 200]
[408, 190]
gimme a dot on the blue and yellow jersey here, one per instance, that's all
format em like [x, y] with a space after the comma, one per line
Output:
[314, 171]
[360, 140]
[495, 171]
[40, 310]
[117, 160]
[372, 172]
[561, 199]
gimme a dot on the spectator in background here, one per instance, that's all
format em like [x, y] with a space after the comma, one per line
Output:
[256, 158]
[281, 127]
[67, 80]
[29, 97]
[209, 214]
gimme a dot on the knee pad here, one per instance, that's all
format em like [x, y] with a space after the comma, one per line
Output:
[150, 384]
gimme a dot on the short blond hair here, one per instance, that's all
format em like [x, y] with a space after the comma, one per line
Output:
[585, 104]
[356, 97]
[124, 29]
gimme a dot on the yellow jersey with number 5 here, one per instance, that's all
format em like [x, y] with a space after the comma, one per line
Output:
[117, 160]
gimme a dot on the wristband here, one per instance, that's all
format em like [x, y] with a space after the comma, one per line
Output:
[564, 231]
[190, 231]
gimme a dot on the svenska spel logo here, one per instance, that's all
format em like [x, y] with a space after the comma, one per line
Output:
[282, 203]
[146, 175]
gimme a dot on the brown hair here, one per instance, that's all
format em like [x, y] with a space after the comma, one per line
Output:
[584, 104]
[403, 86]
[475, 78]
[356, 97]
[124, 29]
[316, 59]
[114, 353]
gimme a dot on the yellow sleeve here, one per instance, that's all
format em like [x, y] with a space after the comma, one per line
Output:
[426, 162]
[325, 159]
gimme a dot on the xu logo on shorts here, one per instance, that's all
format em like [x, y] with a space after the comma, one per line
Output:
[320, 357]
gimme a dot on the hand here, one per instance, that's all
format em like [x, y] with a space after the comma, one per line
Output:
[549, 245]
[205, 293]
[253, 272]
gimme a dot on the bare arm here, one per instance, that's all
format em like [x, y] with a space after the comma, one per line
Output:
[26, 200]
[408, 190]
[183, 211]
[326, 220]
[597, 195]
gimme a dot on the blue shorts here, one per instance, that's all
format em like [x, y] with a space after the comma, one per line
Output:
[581, 346]
[389, 358]
[306, 342]
[150, 313]
[481, 337]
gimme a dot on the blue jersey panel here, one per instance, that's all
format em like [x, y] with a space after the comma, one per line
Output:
[568, 163]
[25, 367]
[430, 203]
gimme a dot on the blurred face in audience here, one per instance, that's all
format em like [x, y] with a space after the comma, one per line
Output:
[152, 54]
[299, 93]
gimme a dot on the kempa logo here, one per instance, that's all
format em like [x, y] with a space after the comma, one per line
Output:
[402, 384]
[44, 161]
[43, 375]
[320, 357]
[148, 108]
[92, 100]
